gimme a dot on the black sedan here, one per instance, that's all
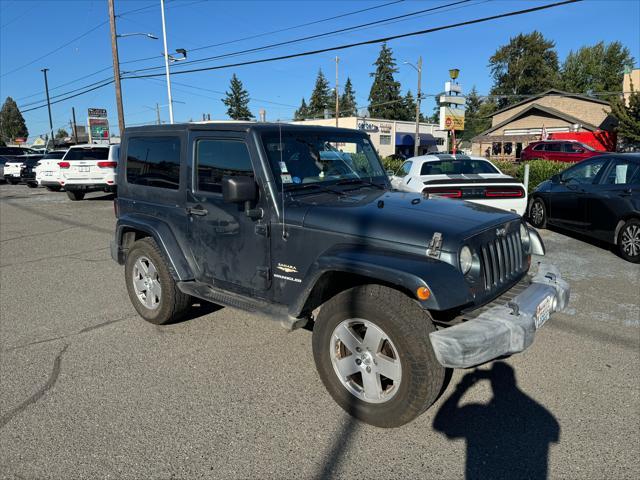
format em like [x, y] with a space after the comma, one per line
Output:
[598, 197]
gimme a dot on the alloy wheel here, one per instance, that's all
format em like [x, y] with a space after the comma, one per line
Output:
[365, 360]
[630, 240]
[146, 283]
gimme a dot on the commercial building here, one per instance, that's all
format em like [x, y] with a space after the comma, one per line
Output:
[630, 82]
[391, 137]
[559, 114]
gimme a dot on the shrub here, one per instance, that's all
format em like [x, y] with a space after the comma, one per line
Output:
[392, 164]
[539, 170]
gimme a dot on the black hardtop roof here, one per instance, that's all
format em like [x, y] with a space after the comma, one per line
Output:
[261, 127]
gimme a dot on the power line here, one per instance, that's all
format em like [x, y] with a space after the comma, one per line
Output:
[311, 37]
[367, 42]
[346, 46]
[71, 96]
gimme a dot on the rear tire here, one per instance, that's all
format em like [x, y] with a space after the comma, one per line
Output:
[14, 182]
[146, 268]
[399, 344]
[629, 241]
[32, 185]
[538, 213]
[75, 195]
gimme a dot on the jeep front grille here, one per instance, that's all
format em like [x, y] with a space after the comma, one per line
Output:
[502, 260]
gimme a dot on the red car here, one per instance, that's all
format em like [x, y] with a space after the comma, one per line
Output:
[568, 151]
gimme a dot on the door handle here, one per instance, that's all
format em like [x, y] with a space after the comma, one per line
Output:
[199, 211]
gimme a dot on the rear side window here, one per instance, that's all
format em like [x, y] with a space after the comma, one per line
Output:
[539, 147]
[216, 158]
[154, 162]
[553, 147]
[87, 154]
[622, 172]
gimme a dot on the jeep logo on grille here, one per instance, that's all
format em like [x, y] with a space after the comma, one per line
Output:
[501, 232]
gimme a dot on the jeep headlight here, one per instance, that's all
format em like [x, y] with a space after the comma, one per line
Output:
[524, 237]
[466, 259]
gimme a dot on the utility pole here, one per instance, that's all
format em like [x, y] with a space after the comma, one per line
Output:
[158, 114]
[337, 93]
[75, 129]
[46, 87]
[116, 67]
[166, 62]
[416, 147]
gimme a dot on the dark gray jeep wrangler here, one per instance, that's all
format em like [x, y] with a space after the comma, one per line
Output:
[299, 223]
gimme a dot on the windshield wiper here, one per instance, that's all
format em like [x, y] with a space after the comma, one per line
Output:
[360, 181]
[317, 186]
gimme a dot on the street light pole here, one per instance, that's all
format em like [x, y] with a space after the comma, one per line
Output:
[166, 61]
[337, 93]
[46, 87]
[416, 147]
[116, 67]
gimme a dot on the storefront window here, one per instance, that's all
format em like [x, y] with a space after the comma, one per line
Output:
[385, 139]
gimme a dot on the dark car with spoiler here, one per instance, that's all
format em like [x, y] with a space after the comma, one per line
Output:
[300, 224]
[473, 179]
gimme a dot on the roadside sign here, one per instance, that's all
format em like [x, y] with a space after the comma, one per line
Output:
[97, 113]
[20, 140]
[451, 118]
[98, 130]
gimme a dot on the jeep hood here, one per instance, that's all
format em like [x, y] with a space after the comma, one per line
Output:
[400, 217]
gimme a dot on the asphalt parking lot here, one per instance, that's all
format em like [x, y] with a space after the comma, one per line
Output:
[89, 390]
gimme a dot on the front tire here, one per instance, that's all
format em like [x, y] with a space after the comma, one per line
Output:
[538, 213]
[152, 289]
[75, 195]
[629, 241]
[372, 351]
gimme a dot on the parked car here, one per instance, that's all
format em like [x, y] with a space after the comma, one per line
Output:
[88, 168]
[462, 177]
[3, 160]
[245, 215]
[570, 151]
[48, 170]
[599, 197]
[16, 151]
[19, 168]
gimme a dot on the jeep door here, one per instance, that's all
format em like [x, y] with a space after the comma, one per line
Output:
[230, 249]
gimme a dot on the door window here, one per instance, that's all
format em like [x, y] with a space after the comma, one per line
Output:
[154, 161]
[622, 172]
[553, 147]
[217, 158]
[404, 170]
[570, 147]
[584, 172]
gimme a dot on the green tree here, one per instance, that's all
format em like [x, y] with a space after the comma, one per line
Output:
[348, 106]
[321, 97]
[598, 68]
[409, 108]
[477, 113]
[61, 133]
[385, 100]
[12, 124]
[237, 101]
[628, 117]
[301, 113]
[527, 65]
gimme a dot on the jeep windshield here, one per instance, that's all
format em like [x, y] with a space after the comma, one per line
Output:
[299, 158]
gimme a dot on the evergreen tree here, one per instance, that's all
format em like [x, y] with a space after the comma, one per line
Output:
[384, 98]
[237, 101]
[476, 115]
[61, 133]
[12, 124]
[301, 113]
[348, 106]
[598, 68]
[321, 97]
[628, 119]
[527, 65]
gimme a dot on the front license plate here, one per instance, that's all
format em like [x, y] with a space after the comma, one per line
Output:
[84, 169]
[15, 174]
[543, 311]
[47, 174]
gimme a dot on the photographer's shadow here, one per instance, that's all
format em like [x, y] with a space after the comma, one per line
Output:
[508, 437]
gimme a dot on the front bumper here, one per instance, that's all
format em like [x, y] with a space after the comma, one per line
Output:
[506, 328]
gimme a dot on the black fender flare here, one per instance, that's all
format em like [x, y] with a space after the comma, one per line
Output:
[164, 238]
[406, 272]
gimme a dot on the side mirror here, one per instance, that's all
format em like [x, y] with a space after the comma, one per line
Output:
[390, 173]
[556, 178]
[239, 189]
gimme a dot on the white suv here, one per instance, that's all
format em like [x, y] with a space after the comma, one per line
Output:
[48, 170]
[89, 168]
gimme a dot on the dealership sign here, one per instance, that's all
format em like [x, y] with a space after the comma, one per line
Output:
[97, 113]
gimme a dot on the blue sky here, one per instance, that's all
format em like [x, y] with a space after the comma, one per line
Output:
[31, 29]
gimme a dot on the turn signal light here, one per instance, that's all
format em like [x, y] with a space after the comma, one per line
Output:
[423, 293]
[64, 164]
